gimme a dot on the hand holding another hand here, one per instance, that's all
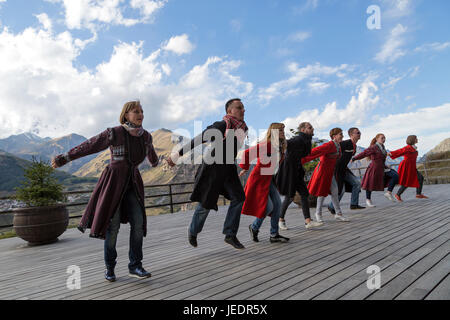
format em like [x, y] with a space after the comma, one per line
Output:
[170, 162]
[242, 172]
[54, 165]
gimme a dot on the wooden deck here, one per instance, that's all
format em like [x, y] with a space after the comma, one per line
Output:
[409, 241]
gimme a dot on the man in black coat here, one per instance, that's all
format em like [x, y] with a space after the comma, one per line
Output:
[346, 180]
[291, 174]
[217, 174]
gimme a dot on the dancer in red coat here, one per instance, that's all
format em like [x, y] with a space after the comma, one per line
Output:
[377, 175]
[323, 181]
[261, 195]
[409, 175]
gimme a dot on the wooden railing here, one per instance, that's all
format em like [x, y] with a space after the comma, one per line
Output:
[171, 194]
[425, 170]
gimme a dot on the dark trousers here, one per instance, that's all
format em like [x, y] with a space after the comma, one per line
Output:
[136, 219]
[393, 175]
[304, 194]
[418, 190]
[231, 224]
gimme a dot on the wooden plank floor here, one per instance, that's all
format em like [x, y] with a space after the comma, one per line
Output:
[408, 241]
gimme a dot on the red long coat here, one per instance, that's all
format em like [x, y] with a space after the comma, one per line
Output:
[374, 177]
[407, 169]
[258, 183]
[320, 183]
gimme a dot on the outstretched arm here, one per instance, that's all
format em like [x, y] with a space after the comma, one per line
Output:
[365, 153]
[93, 145]
[319, 151]
[200, 139]
[253, 153]
[398, 153]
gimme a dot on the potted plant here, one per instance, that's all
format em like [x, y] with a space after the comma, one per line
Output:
[44, 218]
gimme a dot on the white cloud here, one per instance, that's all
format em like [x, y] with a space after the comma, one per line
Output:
[398, 8]
[236, 25]
[45, 21]
[92, 13]
[283, 88]
[46, 94]
[318, 87]
[392, 82]
[435, 46]
[414, 71]
[147, 7]
[392, 48]
[353, 114]
[299, 36]
[179, 45]
[308, 5]
[429, 124]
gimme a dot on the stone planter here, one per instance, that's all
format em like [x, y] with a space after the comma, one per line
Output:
[41, 225]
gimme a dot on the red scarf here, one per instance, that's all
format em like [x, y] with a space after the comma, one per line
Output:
[233, 123]
[238, 126]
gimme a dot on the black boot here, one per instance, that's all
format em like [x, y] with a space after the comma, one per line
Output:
[253, 233]
[233, 240]
[192, 240]
[109, 274]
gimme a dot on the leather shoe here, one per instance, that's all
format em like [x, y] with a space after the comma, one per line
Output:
[278, 238]
[353, 207]
[332, 211]
[233, 240]
[253, 234]
[139, 273]
[193, 241]
[109, 275]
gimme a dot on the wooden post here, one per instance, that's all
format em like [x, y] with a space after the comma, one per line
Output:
[171, 200]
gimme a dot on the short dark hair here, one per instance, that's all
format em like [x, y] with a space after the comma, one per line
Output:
[350, 131]
[334, 132]
[229, 102]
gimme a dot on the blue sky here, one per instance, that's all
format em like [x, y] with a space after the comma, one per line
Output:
[68, 66]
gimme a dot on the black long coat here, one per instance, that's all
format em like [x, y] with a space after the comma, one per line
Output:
[211, 178]
[348, 151]
[291, 172]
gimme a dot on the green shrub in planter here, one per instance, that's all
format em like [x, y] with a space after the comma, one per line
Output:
[45, 218]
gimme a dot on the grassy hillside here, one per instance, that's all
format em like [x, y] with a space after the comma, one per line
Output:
[11, 175]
